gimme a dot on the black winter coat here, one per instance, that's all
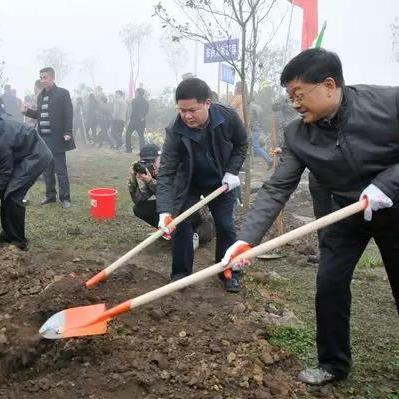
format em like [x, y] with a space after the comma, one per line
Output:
[23, 155]
[229, 145]
[61, 119]
[358, 147]
[139, 110]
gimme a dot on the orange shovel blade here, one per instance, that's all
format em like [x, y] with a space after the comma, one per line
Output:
[75, 322]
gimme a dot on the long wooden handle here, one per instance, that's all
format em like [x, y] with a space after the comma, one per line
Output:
[103, 275]
[303, 230]
[251, 253]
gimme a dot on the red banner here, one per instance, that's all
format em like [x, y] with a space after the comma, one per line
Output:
[310, 24]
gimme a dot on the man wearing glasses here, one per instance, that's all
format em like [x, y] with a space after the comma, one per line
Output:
[204, 148]
[348, 137]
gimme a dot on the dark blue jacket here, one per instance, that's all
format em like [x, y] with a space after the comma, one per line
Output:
[358, 147]
[23, 155]
[229, 147]
[61, 118]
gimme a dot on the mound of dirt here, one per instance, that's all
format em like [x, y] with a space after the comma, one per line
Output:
[199, 343]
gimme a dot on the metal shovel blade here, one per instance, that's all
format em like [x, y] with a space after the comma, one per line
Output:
[75, 322]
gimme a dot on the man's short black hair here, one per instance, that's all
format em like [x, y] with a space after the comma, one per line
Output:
[313, 66]
[193, 88]
[140, 92]
[150, 152]
[49, 70]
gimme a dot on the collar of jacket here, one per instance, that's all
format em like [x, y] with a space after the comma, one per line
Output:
[341, 116]
[216, 118]
[50, 90]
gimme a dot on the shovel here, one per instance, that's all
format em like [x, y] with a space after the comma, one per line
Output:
[92, 319]
[103, 275]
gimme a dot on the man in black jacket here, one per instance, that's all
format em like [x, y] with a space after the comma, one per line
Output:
[139, 110]
[204, 148]
[348, 137]
[23, 157]
[54, 115]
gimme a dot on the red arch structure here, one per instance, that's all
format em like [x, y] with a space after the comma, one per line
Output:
[310, 24]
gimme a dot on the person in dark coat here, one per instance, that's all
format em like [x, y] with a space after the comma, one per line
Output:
[139, 110]
[348, 137]
[55, 121]
[104, 121]
[12, 103]
[204, 148]
[92, 118]
[23, 157]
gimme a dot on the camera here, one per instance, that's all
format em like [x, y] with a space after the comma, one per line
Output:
[142, 165]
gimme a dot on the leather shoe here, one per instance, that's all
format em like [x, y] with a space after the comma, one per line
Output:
[46, 201]
[65, 204]
[232, 285]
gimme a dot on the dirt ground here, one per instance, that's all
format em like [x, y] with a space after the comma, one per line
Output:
[197, 343]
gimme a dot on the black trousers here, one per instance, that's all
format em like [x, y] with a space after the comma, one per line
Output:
[221, 209]
[139, 127]
[147, 211]
[57, 167]
[321, 199]
[116, 132]
[341, 246]
[103, 133]
[13, 215]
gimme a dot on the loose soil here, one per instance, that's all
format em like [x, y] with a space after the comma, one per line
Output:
[198, 343]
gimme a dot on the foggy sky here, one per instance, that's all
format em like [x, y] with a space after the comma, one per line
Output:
[358, 30]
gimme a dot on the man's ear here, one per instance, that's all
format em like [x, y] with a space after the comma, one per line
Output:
[208, 102]
[330, 84]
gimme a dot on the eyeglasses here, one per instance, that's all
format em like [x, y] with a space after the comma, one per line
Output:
[297, 98]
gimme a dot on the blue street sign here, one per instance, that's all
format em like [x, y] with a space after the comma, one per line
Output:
[221, 51]
[228, 74]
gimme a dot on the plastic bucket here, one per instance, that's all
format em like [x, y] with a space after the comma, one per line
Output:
[103, 203]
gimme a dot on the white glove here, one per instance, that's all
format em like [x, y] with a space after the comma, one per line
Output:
[236, 249]
[164, 220]
[231, 180]
[376, 200]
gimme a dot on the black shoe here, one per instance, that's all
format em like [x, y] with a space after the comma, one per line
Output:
[65, 204]
[23, 246]
[3, 237]
[313, 259]
[46, 201]
[318, 376]
[233, 284]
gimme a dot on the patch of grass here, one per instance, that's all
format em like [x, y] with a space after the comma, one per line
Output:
[374, 326]
[50, 227]
[371, 258]
[296, 340]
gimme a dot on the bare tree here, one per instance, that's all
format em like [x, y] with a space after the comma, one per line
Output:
[133, 36]
[207, 21]
[271, 62]
[56, 58]
[175, 53]
[395, 38]
[3, 79]
[89, 65]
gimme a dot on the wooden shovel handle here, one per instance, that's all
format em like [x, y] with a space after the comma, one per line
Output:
[303, 230]
[251, 253]
[103, 275]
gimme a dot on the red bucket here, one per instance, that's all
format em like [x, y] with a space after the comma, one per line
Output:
[103, 203]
